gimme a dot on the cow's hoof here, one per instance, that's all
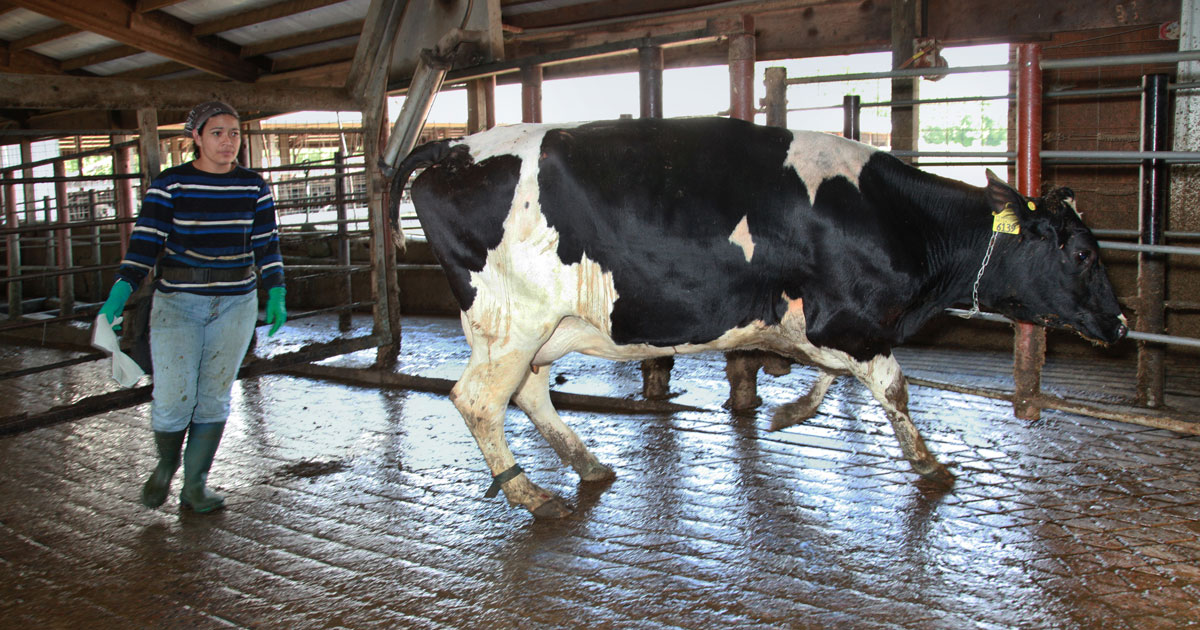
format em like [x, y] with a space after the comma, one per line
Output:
[791, 414]
[598, 472]
[938, 477]
[554, 508]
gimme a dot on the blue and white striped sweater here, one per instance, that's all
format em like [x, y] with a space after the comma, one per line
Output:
[199, 219]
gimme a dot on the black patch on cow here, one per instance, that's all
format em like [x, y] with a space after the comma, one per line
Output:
[462, 210]
[654, 202]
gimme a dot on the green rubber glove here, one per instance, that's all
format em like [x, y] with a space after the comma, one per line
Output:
[115, 304]
[276, 311]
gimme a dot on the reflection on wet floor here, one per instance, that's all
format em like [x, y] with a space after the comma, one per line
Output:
[355, 507]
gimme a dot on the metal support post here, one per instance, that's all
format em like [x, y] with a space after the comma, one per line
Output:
[65, 258]
[343, 236]
[1152, 220]
[742, 54]
[1029, 343]
[13, 245]
[851, 115]
[650, 81]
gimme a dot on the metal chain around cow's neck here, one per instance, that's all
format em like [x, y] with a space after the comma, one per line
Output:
[987, 256]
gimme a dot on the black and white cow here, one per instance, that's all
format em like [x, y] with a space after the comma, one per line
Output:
[634, 239]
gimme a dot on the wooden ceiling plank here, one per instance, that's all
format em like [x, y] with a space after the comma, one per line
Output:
[108, 54]
[153, 5]
[262, 14]
[154, 32]
[316, 58]
[48, 35]
[330, 33]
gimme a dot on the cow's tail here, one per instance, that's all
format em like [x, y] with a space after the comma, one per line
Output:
[425, 155]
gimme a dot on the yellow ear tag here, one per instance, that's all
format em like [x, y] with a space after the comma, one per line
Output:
[1005, 221]
[1032, 206]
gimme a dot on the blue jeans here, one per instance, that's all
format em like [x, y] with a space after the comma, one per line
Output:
[197, 343]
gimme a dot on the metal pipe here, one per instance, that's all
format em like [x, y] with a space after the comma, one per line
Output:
[1151, 249]
[1120, 60]
[1029, 342]
[1049, 64]
[1134, 335]
[427, 80]
[851, 116]
[742, 55]
[650, 81]
[1151, 276]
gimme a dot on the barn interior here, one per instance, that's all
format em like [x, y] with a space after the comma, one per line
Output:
[356, 493]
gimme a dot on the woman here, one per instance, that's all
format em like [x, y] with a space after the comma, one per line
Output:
[212, 222]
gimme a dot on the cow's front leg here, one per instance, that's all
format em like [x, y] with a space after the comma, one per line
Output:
[883, 377]
[533, 397]
[482, 396]
[804, 407]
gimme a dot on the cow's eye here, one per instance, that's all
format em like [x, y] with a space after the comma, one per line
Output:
[1084, 256]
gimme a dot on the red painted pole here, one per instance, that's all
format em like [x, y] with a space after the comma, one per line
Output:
[1029, 343]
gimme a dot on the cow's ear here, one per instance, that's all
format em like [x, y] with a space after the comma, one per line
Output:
[1000, 195]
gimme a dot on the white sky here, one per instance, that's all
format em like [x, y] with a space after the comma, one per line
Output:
[704, 91]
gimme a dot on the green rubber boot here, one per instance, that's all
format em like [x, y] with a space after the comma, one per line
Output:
[202, 443]
[169, 443]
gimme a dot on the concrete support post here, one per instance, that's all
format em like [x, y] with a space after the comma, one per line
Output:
[775, 102]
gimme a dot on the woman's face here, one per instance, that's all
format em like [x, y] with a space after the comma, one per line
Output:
[219, 142]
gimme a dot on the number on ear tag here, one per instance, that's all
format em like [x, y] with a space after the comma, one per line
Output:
[1005, 221]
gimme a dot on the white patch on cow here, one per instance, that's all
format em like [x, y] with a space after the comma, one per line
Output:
[818, 156]
[524, 288]
[741, 237]
[520, 139]
[1071, 202]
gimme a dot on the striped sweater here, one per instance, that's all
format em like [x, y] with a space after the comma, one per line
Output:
[199, 219]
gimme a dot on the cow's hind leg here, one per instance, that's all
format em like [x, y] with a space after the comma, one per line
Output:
[533, 397]
[804, 407]
[883, 377]
[492, 374]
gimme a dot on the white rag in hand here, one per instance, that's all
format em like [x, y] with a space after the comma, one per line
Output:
[125, 370]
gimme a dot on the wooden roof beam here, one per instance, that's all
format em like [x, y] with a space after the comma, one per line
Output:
[155, 32]
[26, 62]
[63, 92]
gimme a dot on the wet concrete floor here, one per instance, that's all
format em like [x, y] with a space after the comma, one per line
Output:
[353, 507]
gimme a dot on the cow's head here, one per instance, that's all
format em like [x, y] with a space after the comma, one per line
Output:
[1049, 271]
